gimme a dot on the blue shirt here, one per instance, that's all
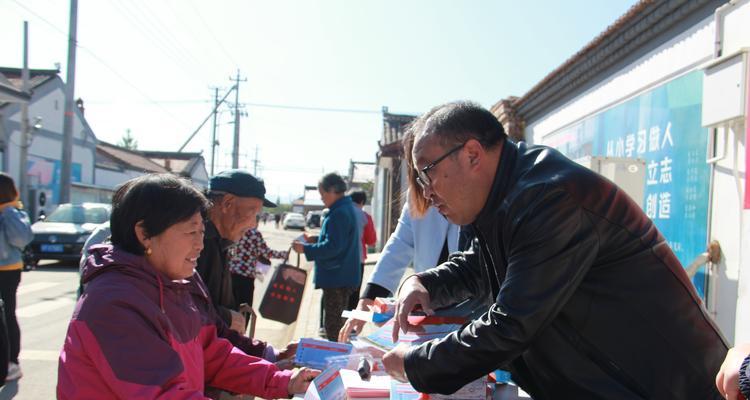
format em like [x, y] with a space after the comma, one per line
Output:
[337, 254]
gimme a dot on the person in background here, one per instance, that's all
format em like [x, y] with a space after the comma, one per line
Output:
[15, 234]
[137, 331]
[589, 300]
[733, 379]
[236, 198]
[337, 252]
[243, 259]
[422, 238]
[369, 237]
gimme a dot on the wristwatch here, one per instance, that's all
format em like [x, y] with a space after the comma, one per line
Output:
[744, 381]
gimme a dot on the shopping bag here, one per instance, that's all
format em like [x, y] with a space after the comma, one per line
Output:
[283, 296]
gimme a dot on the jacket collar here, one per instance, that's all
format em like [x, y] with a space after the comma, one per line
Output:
[340, 203]
[212, 235]
[504, 180]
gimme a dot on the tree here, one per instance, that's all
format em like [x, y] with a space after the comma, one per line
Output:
[128, 141]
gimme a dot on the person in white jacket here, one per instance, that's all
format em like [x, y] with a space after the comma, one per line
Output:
[423, 238]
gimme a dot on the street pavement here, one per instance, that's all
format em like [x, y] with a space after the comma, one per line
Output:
[45, 302]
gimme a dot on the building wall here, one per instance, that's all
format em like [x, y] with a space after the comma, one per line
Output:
[45, 152]
[673, 66]
[110, 178]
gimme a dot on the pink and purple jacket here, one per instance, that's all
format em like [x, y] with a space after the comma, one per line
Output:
[137, 334]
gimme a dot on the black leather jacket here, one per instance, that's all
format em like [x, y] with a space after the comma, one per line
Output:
[590, 302]
[214, 270]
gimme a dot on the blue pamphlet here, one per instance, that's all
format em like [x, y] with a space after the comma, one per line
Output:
[314, 352]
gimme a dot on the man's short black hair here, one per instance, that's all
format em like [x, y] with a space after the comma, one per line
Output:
[159, 200]
[359, 197]
[455, 123]
[8, 191]
[332, 182]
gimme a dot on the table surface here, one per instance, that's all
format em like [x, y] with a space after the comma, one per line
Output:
[502, 392]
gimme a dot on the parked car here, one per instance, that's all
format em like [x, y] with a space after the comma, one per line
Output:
[293, 220]
[61, 235]
[313, 219]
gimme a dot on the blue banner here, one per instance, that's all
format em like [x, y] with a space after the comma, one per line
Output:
[662, 127]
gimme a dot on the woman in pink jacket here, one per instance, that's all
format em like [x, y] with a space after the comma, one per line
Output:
[137, 331]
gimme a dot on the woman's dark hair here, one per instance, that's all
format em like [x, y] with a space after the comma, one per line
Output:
[332, 182]
[8, 190]
[159, 200]
[455, 123]
[359, 196]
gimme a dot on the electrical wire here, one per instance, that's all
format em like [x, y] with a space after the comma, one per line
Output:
[101, 61]
[210, 32]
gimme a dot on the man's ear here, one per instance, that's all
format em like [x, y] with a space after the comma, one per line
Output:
[142, 235]
[227, 202]
[475, 152]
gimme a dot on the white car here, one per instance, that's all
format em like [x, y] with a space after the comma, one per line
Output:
[293, 221]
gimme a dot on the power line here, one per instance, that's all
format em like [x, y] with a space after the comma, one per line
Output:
[210, 32]
[102, 62]
[310, 108]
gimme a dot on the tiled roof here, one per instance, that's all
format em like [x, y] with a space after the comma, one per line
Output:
[130, 158]
[177, 162]
[13, 81]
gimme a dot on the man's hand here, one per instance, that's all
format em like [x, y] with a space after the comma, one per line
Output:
[238, 322]
[728, 378]
[310, 238]
[298, 246]
[352, 324]
[412, 293]
[394, 363]
[289, 351]
[301, 379]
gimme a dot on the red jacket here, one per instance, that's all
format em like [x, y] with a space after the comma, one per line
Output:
[137, 334]
[369, 236]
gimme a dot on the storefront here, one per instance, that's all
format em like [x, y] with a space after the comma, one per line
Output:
[665, 89]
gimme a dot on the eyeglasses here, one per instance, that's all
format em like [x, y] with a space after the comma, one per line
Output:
[423, 178]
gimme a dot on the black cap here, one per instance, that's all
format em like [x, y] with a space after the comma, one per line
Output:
[239, 183]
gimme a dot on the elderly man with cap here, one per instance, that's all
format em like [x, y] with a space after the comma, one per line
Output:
[237, 197]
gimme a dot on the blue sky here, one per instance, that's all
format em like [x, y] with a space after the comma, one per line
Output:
[318, 72]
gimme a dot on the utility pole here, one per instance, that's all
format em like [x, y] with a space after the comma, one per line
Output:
[213, 135]
[23, 168]
[66, 169]
[255, 162]
[236, 145]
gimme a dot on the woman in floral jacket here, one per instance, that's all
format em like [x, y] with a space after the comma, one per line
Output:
[243, 263]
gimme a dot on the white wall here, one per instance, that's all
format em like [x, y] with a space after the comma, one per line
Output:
[731, 221]
[109, 178]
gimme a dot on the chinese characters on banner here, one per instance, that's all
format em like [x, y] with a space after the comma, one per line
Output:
[663, 128]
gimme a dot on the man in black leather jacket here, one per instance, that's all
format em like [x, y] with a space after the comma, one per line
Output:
[589, 300]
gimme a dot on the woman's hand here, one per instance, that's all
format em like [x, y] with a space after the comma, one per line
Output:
[301, 379]
[355, 324]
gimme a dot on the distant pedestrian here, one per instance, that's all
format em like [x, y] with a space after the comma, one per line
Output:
[277, 218]
[369, 237]
[337, 252]
[15, 234]
[243, 261]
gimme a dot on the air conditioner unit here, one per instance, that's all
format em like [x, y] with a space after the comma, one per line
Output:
[627, 173]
